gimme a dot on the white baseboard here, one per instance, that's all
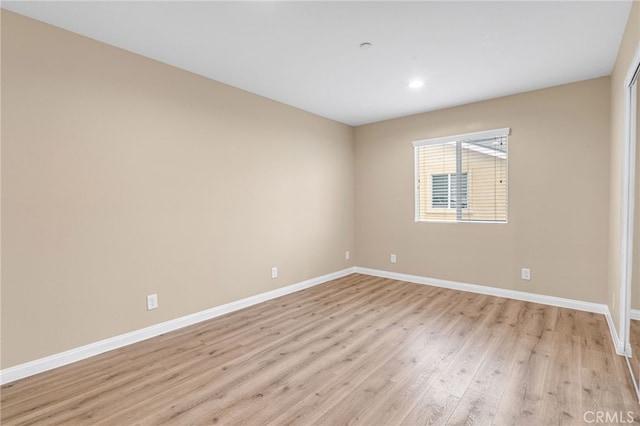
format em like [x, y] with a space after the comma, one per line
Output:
[579, 305]
[58, 360]
[635, 315]
[615, 338]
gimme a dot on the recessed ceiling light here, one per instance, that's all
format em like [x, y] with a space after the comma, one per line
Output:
[365, 45]
[415, 84]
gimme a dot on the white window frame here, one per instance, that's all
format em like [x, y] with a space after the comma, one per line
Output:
[486, 134]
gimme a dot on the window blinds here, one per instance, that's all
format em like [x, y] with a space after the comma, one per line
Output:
[462, 177]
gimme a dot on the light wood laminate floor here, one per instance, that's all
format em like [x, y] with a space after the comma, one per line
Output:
[360, 350]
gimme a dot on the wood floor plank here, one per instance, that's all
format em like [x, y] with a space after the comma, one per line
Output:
[562, 402]
[523, 398]
[433, 408]
[474, 408]
[458, 376]
[352, 372]
[492, 374]
[415, 371]
[402, 376]
[357, 350]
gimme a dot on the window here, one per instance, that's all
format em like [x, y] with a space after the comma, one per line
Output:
[462, 178]
[444, 190]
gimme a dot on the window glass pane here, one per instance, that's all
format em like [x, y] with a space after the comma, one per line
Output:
[464, 180]
[486, 161]
[463, 191]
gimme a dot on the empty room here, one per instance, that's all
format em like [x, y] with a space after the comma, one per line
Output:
[327, 213]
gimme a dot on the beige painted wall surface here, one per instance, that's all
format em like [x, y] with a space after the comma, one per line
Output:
[123, 177]
[625, 54]
[558, 187]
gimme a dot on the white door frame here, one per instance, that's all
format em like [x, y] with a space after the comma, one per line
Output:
[628, 196]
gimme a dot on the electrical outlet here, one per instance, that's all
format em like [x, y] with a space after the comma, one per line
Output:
[274, 272]
[526, 274]
[394, 258]
[152, 301]
[347, 255]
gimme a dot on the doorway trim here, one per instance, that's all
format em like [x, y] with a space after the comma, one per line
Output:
[628, 199]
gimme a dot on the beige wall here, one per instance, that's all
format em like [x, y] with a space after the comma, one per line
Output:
[122, 177]
[625, 54]
[558, 187]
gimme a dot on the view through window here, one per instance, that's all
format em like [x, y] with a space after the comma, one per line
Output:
[462, 177]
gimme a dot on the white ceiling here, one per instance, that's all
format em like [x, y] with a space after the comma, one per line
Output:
[307, 54]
